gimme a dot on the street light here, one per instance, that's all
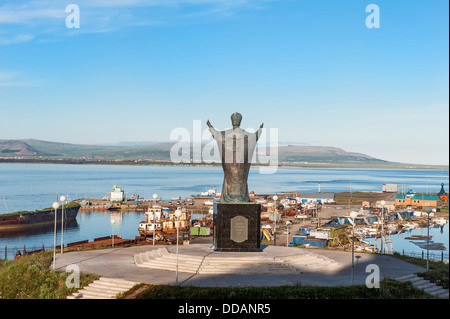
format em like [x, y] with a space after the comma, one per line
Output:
[113, 221]
[382, 226]
[178, 213]
[428, 211]
[62, 199]
[55, 206]
[353, 216]
[275, 210]
[287, 232]
[155, 196]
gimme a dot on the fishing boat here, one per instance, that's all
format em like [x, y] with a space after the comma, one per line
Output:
[26, 219]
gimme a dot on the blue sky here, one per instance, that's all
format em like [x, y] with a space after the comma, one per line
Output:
[137, 69]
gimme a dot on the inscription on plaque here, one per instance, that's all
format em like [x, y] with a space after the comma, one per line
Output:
[239, 229]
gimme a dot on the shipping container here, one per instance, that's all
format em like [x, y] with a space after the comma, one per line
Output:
[195, 231]
[321, 243]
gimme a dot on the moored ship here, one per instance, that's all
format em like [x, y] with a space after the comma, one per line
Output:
[26, 219]
[209, 194]
[162, 220]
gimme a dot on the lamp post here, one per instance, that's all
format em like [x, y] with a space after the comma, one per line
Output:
[428, 210]
[178, 213]
[382, 226]
[55, 206]
[287, 232]
[353, 215]
[275, 210]
[113, 221]
[155, 196]
[62, 199]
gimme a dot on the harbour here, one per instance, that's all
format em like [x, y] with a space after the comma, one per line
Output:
[165, 183]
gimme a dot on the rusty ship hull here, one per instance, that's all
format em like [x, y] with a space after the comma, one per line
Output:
[39, 218]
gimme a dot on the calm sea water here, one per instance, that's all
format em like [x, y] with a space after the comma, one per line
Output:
[34, 186]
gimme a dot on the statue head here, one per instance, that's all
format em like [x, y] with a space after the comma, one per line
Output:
[236, 119]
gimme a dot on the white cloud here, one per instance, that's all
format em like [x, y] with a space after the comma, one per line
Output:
[15, 79]
[29, 19]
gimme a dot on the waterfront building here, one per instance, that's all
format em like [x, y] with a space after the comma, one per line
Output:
[118, 194]
[443, 196]
[321, 198]
[416, 200]
[389, 188]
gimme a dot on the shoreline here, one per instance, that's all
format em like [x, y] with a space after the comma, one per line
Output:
[280, 165]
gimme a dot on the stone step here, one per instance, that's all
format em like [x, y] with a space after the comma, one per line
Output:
[434, 289]
[104, 288]
[165, 260]
[425, 285]
[414, 279]
[87, 296]
[93, 293]
[443, 294]
[108, 291]
[406, 277]
[118, 281]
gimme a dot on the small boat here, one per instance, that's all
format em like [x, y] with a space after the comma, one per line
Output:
[440, 221]
[209, 202]
[410, 226]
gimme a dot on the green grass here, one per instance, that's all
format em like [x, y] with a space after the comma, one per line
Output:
[389, 289]
[29, 277]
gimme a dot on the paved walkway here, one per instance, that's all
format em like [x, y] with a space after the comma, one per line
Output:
[119, 263]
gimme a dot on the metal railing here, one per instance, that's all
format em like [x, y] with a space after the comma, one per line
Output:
[423, 255]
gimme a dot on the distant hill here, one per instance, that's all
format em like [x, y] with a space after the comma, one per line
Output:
[66, 150]
[16, 148]
[290, 154]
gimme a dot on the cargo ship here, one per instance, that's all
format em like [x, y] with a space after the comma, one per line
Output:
[26, 219]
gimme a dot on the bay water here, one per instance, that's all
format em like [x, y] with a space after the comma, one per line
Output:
[36, 186]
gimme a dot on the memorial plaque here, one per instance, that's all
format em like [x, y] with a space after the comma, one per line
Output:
[239, 229]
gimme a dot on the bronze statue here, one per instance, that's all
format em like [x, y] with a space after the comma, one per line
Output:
[236, 147]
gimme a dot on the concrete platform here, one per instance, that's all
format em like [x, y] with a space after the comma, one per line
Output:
[323, 267]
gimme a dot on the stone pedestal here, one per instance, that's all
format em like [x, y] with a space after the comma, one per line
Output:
[237, 226]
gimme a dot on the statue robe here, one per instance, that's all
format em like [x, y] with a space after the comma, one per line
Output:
[236, 147]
